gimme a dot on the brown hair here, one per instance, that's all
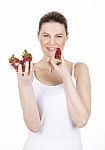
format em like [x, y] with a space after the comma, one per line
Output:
[53, 16]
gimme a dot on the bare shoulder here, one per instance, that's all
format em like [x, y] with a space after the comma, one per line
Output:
[81, 70]
[36, 66]
[80, 66]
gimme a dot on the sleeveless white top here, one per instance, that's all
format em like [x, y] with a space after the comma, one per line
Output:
[57, 130]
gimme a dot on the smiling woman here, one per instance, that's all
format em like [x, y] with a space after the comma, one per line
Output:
[55, 97]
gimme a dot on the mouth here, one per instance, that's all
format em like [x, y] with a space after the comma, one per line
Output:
[52, 49]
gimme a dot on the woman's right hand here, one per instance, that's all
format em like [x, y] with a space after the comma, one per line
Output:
[26, 77]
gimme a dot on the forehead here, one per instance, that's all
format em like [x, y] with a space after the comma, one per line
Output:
[52, 27]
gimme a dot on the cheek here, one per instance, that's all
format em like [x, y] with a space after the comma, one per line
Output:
[62, 43]
[43, 42]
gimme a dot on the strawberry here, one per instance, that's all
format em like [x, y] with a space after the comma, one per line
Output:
[14, 62]
[26, 56]
[58, 55]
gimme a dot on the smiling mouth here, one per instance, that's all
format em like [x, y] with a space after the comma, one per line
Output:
[52, 49]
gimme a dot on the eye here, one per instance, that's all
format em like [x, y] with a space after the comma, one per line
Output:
[45, 35]
[58, 36]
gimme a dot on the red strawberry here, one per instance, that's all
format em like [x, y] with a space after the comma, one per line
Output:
[58, 55]
[14, 62]
[26, 56]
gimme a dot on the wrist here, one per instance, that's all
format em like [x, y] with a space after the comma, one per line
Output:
[25, 83]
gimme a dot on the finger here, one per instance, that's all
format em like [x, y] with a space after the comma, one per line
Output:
[58, 62]
[20, 69]
[50, 67]
[62, 57]
[26, 68]
[63, 62]
[53, 64]
[31, 67]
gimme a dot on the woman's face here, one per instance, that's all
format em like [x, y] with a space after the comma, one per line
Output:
[51, 36]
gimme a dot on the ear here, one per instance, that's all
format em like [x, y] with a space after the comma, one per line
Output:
[67, 37]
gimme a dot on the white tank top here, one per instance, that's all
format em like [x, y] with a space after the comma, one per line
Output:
[57, 130]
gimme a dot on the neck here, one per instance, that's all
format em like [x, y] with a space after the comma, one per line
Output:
[45, 58]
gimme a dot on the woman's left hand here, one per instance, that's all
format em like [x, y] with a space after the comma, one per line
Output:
[59, 67]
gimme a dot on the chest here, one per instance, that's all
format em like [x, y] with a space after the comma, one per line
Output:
[48, 78]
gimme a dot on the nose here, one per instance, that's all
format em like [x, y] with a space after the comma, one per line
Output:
[52, 41]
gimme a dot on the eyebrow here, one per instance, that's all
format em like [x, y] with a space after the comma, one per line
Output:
[55, 34]
[59, 34]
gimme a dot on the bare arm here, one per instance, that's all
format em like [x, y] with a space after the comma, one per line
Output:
[79, 97]
[28, 99]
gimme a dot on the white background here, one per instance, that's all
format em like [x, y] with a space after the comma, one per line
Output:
[18, 30]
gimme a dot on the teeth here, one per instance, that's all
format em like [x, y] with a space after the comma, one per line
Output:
[52, 49]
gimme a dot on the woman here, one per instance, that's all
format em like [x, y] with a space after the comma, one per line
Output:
[55, 99]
